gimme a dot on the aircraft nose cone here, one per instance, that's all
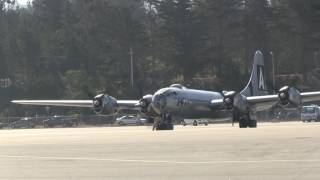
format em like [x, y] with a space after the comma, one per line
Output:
[159, 102]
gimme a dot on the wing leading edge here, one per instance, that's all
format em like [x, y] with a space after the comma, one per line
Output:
[305, 98]
[123, 104]
[262, 102]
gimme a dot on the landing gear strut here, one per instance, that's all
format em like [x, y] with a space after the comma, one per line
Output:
[164, 124]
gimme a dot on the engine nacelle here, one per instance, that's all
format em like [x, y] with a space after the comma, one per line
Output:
[289, 96]
[233, 100]
[145, 103]
[228, 99]
[240, 103]
[104, 104]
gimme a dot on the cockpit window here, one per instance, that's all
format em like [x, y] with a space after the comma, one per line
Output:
[170, 93]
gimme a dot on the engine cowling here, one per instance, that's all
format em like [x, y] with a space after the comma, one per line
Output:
[289, 96]
[228, 97]
[104, 104]
[235, 101]
[145, 103]
[146, 108]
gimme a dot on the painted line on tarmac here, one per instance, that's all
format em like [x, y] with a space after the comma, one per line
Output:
[163, 161]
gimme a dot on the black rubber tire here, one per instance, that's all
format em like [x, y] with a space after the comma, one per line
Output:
[244, 123]
[253, 123]
[160, 127]
[241, 124]
[164, 126]
[195, 123]
[183, 123]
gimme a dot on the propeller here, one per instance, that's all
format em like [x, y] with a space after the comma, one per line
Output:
[228, 99]
[145, 102]
[236, 103]
[97, 103]
[289, 96]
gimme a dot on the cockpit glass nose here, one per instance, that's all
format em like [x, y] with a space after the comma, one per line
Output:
[160, 101]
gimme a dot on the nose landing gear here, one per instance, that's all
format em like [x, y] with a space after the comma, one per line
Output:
[165, 123]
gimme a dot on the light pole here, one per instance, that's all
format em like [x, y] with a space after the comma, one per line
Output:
[131, 66]
[273, 77]
[315, 58]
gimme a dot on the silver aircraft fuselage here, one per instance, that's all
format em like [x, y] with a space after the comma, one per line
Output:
[187, 103]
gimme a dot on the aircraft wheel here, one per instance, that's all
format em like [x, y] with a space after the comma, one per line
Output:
[241, 124]
[164, 126]
[244, 123]
[160, 126]
[253, 123]
[195, 123]
[183, 123]
[170, 127]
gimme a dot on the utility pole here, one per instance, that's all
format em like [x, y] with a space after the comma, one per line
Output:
[315, 59]
[151, 37]
[131, 66]
[273, 74]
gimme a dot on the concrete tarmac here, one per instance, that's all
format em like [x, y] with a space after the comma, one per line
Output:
[274, 151]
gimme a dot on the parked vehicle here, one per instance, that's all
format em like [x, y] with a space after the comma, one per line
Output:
[22, 123]
[289, 115]
[195, 122]
[3, 125]
[130, 120]
[310, 113]
[60, 121]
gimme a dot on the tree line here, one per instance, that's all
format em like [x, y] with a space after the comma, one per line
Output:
[74, 49]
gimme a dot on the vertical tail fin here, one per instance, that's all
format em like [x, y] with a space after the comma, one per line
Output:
[257, 84]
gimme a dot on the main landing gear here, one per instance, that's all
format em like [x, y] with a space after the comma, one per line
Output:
[164, 124]
[245, 121]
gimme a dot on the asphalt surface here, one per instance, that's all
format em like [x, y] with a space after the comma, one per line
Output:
[272, 151]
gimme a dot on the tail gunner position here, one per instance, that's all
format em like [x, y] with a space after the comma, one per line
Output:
[179, 101]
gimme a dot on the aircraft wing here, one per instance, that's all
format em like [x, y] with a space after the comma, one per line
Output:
[266, 101]
[305, 98]
[123, 104]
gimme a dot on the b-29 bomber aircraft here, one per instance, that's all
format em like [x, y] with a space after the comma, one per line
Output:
[182, 102]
